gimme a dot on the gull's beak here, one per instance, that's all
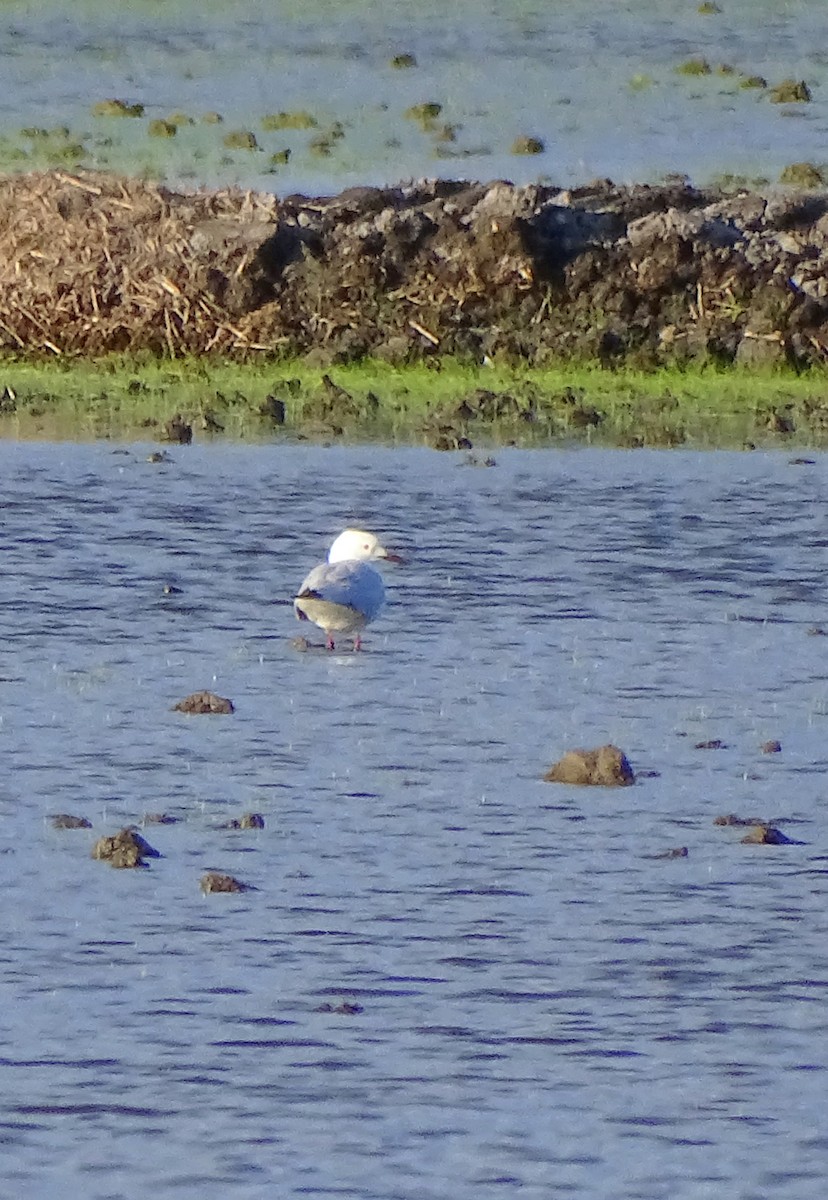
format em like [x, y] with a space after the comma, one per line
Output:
[395, 558]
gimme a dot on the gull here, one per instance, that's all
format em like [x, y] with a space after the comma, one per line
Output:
[343, 594]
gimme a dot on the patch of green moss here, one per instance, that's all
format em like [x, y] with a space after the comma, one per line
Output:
[212, 118]
[708, 8]
[66, 154]
[424, 114]
[753, 81]
[731, 181]
[240, 139]
[162, 129]
[289, 120]
[802, 174]
[53, 147]
[12, 155]
[280, 158]
[322, 144]
[694, 66]
[117, 108]
[403, 62]
[525, 144]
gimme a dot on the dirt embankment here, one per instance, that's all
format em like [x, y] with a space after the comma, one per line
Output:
[642, 275]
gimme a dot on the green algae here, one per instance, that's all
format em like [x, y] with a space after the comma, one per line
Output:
[403, 62]
[731, 181]
[694, 66]
[424, 114]
[803, 174]
[525, 144]
[162, 129]
[240, 139]
[322, 144]
[454, 407]
[53, 147]
[117, 108]
[300, 119]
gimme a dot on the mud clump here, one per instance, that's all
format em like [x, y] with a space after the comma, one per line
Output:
[204, 702]
[649, 276]
[251, 820]
[733, 819]
[68, 821]
[605, 767]
[761, 832]
[124, 849]
[767, 835]
[771, 747]
[791, 91]
[217, 881]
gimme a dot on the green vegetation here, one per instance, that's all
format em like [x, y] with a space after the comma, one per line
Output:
[803, 174]
[694, 66]
[527, 145]
[289, 120]
[240, 139]
[641, 82]
[753, 81]
[51, 148]
[402, 62]
[450, 407]
[424, 114]
[162, 129]
[117, 108]
[323, 143]
[790, 91]
[730, 181]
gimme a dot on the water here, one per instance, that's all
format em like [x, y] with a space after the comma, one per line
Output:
[596, 82]
[546, 1010]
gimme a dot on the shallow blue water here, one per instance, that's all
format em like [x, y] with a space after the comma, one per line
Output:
[596, 82]
[545, 1009]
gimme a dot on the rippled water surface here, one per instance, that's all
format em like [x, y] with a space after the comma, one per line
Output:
[546, 1010]
[597, 82]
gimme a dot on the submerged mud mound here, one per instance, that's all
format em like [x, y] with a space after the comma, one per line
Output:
[643, 275]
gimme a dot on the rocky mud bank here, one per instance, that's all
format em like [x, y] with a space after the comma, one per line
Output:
[643, 275]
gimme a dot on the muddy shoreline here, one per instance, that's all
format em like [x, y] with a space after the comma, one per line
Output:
[645, 276]
[431, 275]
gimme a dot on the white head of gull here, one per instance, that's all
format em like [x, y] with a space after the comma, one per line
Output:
[343, 594]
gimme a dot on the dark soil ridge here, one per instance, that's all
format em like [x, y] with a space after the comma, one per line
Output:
[642, 275]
